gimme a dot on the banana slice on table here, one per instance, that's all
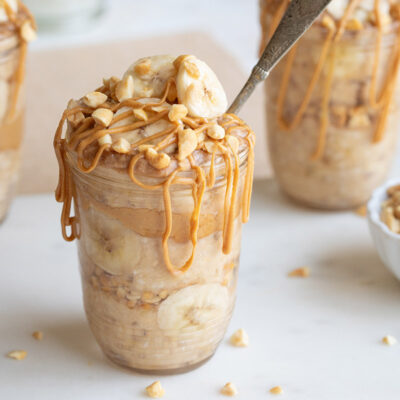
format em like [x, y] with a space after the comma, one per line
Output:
[109, 244]
[13, 5]
[151, 74]
[193, 308]
[199, 89]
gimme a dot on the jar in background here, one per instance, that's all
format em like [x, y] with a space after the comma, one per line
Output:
[11, 117]
[333, 114]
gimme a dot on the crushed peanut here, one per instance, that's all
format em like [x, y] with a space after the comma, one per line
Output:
[361, 211]
[354, 24]
[157, 160]
[121, 146]
[216, 132]
[389, 340]
[140, 114]
[187, 143]
[177, 112]
[302, 272]
[276, 390]
[38, 335]
[155, 390]
[240, 338]
[233, 143]
[103, 116]
[390, 212]
[106, 139]
[76, 118]
[125, 89]
[17, 354]
[229, 389]
[27, 32]
[95, 99]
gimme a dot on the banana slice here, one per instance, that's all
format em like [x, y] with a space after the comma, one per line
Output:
[109, 244]
[199, 89]
[193, 308]
[4, 98]
[151, 74]
[13, 5]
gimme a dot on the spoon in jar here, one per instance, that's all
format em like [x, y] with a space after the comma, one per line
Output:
[298, 18]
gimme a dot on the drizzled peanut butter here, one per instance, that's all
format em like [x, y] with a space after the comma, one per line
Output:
[18, 22]
[335, 30]
[188, 172]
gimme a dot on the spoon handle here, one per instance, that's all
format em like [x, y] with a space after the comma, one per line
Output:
[298, 17]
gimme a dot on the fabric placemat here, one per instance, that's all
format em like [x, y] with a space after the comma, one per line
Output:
[57, 75]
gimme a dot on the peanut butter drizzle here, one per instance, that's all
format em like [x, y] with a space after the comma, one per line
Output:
[18, 20]
[328, 54]
[86, 134]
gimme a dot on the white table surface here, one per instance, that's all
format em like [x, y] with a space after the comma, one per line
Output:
[319, 338]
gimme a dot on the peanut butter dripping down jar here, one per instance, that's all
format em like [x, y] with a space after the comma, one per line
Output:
[332, 106]
[155, 245]
[15, 33]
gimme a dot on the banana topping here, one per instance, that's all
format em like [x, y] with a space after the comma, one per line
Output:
[199, 89]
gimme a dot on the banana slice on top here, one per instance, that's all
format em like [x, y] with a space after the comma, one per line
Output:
[193, 308]
[199, 89]
[150, 75]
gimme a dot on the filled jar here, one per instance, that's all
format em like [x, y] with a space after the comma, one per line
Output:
[17, 28]
[333, 103]
[160, 179]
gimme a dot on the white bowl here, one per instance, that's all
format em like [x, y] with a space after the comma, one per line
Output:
[386, 242]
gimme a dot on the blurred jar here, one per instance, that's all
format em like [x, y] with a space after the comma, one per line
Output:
[65, 15]
[333, 112]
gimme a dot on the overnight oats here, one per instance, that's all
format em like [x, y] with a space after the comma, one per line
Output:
[17, 28]
[333, 103]
[160, 179]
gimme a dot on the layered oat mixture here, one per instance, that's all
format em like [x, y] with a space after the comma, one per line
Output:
[160, 179]
[390, 214]
[333, 102]
[17, 28]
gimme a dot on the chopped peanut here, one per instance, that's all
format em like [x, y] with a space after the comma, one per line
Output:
[389, 340]
[157, 160]
[17, 354]
[276, 390]
[125, 89]
[76, 118]
[103, 116]
[187, 143]
[229, 389]
[121, 146]
[177, 112]
[216, 131]
[106, 139]
[155, 390]
[38, 335]
[233, 143]
[303, 272]
[140, 114]
[95, 99]
[354, 24]
[27, 32]
[240, 338]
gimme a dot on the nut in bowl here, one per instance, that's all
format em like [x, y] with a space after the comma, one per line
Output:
[383, 224]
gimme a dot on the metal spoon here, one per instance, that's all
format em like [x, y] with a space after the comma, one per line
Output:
[298, 18]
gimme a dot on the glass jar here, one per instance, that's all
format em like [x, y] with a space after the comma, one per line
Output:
[331, 144]
[142, 316]
[11, 116]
